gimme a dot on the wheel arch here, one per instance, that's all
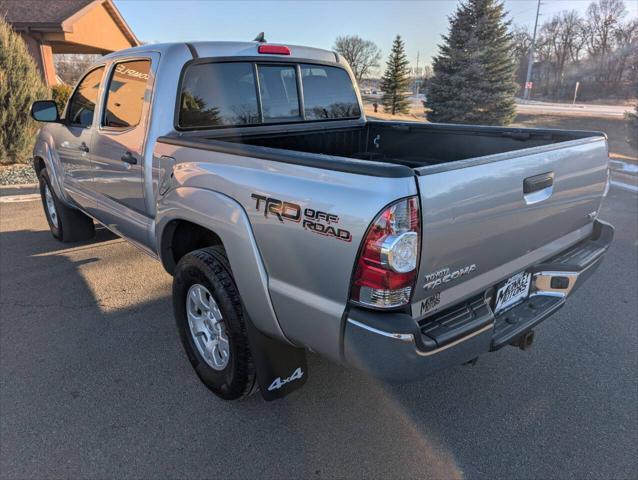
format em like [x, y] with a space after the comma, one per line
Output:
[180, 237]
[191, 218]
[38, 164]
[44, 157]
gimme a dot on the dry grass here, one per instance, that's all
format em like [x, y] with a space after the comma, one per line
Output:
[617, 129]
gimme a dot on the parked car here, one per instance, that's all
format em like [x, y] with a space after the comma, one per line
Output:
[291, 223]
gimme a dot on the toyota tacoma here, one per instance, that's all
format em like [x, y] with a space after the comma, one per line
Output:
[291, 223]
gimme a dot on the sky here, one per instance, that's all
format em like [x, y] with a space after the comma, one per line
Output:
[318, 23]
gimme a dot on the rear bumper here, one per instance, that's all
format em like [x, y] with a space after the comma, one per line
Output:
[411, 350]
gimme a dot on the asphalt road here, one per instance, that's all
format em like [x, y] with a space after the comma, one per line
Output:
[535, 107]
[94, 383]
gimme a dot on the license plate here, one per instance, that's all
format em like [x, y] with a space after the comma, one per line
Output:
[513, 291]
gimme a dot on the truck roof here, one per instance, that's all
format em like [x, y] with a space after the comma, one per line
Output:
[235, 49]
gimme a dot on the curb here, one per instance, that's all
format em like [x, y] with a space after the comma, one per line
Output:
[20, 189]
[25, 192]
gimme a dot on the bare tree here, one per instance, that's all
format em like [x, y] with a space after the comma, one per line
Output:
[362, 55]
[70, 66]
[626, 53]
[521, 41]
[600, 51]
[603, 18]
[562, 38]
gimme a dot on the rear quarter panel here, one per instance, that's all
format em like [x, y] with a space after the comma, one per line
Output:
[308, 273]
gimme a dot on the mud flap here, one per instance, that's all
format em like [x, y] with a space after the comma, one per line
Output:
[280, 368]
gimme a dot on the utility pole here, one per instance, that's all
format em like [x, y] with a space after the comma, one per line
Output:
[530, 63]
[416, 75]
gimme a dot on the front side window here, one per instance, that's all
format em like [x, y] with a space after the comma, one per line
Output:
[125, 96]
[82, 105]
[218, 94]
[328, 93]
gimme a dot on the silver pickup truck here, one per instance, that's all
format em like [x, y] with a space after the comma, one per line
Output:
[291, 223]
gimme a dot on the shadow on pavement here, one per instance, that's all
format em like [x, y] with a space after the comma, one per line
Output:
[93, 390]
[94, 383]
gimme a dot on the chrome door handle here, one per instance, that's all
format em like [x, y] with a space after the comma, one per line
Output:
[129, 158]
[83, 147]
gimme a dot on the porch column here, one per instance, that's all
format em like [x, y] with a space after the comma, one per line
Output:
[48, 68]
[43, 56]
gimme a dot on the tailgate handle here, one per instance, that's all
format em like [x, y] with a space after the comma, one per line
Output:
[538, 182]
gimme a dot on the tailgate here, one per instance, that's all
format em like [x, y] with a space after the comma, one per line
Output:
[485, 219]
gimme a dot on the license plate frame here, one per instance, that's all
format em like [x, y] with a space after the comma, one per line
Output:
[519, 286]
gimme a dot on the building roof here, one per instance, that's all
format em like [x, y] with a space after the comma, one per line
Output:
[36, 12]
[57, 15]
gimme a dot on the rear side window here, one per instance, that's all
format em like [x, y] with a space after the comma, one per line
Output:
[218, 94]
[227, 94]
[82, 104]
[125, 97]
[328, 93]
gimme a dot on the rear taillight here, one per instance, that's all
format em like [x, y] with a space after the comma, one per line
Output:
[386, 268]
[274, 49]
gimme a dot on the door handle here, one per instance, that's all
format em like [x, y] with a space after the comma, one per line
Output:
[538, 182]
[83, 147]
[129, 158]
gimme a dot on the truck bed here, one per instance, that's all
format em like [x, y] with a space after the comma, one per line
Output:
[410, 144]
[493, 199]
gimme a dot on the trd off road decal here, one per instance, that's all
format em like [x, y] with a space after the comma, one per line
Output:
[315, 221]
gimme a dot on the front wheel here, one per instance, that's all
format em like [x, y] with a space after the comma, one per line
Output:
[211, 323]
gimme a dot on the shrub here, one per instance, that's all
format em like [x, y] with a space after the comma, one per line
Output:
[20, 86]
[60, 94]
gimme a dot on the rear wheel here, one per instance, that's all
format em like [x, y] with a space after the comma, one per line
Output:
[211, 323]
[66, 224]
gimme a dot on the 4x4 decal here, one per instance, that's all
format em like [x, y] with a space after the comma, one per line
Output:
[278, 382]
[315, 221]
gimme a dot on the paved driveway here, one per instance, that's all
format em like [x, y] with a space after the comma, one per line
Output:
[94, 383]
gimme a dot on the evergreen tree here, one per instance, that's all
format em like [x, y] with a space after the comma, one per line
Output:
[396, 80]
[20, 86]
[474, 71]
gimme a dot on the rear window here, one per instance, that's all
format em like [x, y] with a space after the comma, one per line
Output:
[328, 93]
[218, 94]
[226, 94]
[278, 92]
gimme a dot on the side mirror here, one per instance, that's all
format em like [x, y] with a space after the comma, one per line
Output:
[45, 111]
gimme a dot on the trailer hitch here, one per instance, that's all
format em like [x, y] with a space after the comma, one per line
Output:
[525, 341]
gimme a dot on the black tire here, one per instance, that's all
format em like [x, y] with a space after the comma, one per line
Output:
[71, 225]
[209, 267]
